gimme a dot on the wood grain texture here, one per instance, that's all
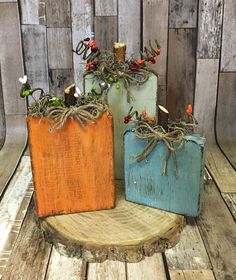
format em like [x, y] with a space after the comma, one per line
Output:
[183, 14]
[108, 270]
[59, 48]
[106, 7]
[16, 138]
[11, 58]
[30, 11]
[2, 115]
[155, 26]
[219, 237]
[35, 55]
[181, 69]
[190, 252]
[150, 268]
[31, 253]
[66, 179]
[228, 54]
[61, 267]
[206, 96]
[209, 28]
[230, 199]
[82, 22]
[129, 22]
[58, 13]
[129, 232]
[59, 80]
[192, 275]
[106, 32]
[226, 114]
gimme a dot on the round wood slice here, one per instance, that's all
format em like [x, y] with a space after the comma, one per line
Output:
[126, 233]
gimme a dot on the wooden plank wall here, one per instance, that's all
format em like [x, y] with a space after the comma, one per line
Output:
[197, 63]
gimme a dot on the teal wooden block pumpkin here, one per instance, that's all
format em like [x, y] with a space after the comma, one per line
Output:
[145, 99]
[145, 184]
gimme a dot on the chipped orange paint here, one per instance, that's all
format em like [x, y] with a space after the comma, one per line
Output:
[72, 167]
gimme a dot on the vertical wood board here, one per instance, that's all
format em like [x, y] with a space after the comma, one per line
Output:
[228, 55]
[59, 48]
[106, 7]
[192, 275]
[129, 26]
[2, 115]
[30, 11]
[58, 13]
[230, 199]
[35, 55]
[82, 26]
[106, 32]
[181, 69]
[183, 14]
[209, 28]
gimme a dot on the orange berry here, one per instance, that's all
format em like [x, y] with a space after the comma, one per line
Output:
[144, 114]
[189, 110]
[152, 119]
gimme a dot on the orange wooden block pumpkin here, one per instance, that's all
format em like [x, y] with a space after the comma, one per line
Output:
[72, 167]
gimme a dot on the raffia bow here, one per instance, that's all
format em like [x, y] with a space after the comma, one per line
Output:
[156, 134]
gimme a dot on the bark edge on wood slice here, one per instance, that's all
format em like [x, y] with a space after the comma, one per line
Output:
[126, 233]
[69, 92]
[119, 50]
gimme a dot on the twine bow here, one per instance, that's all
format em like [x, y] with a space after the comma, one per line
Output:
[156, 134]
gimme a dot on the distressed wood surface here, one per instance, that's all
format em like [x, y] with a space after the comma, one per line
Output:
[192, 275]
[11, 58]
[30, 254]
[226, 114]
[209, 28]
[130, 26]
[59, 48]
[35, 55]
[106, 32]
[230, 199]
[59, 80]
[58, 13]
[30, 11]
[2, 115]
[108, 270]
[155, 26]
[183, 14]
[82, 26]
[150, 268]
[205, 96]
[181, 69]
[189, 253]
[228, 54]
[217, 228]
[129, 232]
[106, 7]
[62, 267]
[16, 138]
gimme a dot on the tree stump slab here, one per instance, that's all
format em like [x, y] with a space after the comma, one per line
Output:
[127, 233]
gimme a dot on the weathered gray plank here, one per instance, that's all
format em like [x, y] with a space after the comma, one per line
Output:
[108, 270]
[16, 138]
[8, 1]
[183, 14]
[205, 96]
[82, 21]
[35, 55]
[58, 13]
[2, 115]
[181, 69]
[155, 26]
[30, 11]
[226, 115]
[150, 268]
[192, 275]
[11, 58]
[228, 54]
[105, 7]
[130, 26]
[106, 32]
[59, 80]
[59, 48]
[189, 253]
[230, 199]
[30, 254]
[217, 228]
[209, 28]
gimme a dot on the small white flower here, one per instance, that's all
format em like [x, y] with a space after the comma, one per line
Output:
[23, 80]
[77, 92]
[52, 99]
